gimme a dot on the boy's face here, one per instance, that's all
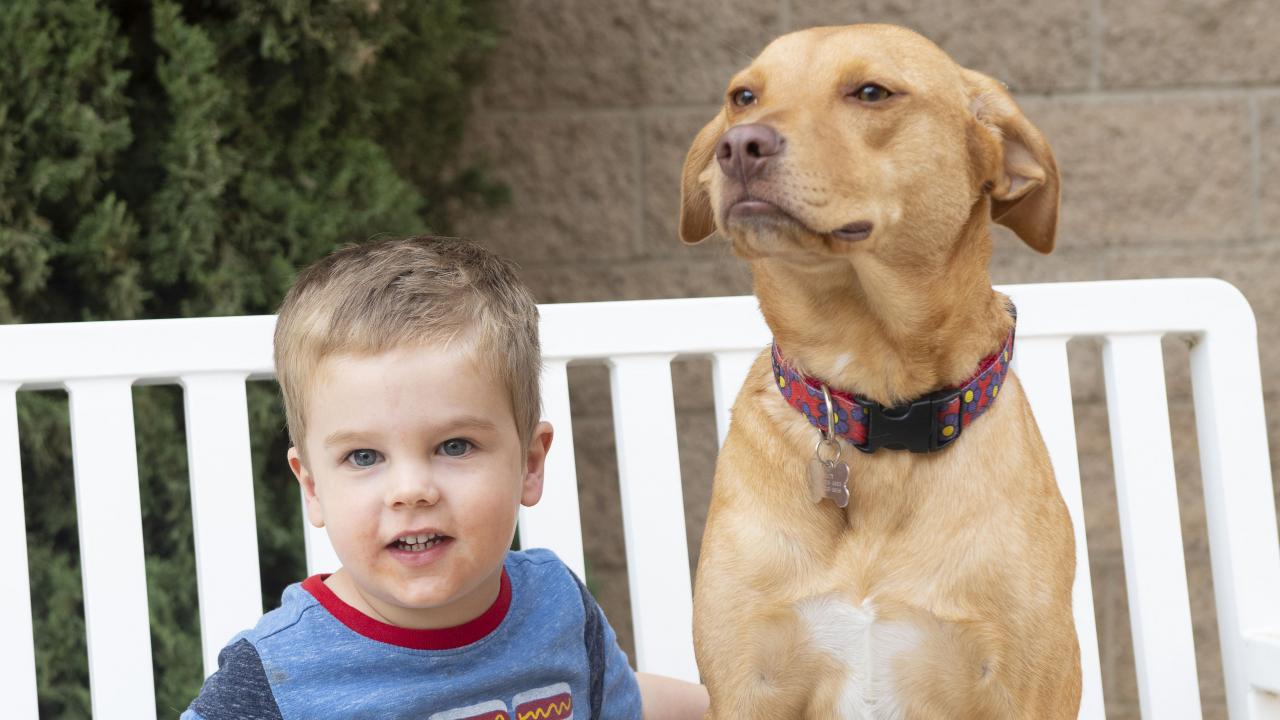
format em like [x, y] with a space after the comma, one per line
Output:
[413, 464]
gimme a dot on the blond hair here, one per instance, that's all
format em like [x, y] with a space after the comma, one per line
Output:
[387, 294]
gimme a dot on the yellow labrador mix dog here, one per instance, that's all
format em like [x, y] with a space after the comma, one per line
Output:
[907, 555]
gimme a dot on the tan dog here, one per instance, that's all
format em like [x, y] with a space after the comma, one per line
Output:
[857, 170]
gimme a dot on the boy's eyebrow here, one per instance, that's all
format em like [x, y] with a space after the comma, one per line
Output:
[343, 437]
[476, 422]
[472, 422]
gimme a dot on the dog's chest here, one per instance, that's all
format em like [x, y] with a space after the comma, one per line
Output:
[862, 647]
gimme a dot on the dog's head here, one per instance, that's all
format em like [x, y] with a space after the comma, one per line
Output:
[836, 141]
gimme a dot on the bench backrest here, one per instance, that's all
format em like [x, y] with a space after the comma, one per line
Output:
[212, 358]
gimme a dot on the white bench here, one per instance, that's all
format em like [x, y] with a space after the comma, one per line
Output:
[211, 358]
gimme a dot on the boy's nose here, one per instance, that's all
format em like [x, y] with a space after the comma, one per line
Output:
[413, 486]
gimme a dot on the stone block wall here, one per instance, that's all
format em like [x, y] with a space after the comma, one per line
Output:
[1165, 118]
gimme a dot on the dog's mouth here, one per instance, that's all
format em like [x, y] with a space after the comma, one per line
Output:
[754, 207]
[748, 208]
[854, 231]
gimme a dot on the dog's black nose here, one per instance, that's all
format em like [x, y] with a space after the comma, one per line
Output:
[745, 149]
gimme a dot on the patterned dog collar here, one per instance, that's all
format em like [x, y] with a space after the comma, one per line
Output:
[926, 425]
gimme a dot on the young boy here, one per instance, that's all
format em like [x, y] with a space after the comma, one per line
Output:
[410, 374]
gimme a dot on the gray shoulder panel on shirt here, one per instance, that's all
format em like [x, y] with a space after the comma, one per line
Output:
[239, 690]
[593, 638]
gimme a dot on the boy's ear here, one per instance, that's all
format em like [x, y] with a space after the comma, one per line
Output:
[535, 464]
[315, 512]
[1025, 187]
[696, 221]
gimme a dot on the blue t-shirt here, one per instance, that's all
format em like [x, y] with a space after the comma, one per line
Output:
[543, 651]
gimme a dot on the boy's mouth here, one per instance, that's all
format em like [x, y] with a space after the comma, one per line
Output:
[419, 542]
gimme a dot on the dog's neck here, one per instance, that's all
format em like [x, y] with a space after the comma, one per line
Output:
[888, 333]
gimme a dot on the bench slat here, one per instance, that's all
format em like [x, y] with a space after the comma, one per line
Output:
[222, 509]
[728, 371]
[1146, 491]
[653, 514]
[555, 521]
[109, 516]
[1041, 367]
[17, 652]
[1243, 545]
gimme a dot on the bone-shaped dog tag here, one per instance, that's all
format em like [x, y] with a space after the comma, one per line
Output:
[829, 480]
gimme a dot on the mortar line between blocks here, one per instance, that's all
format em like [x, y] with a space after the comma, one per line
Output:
[1255, 161]
[1135, 94]
[1096, 24]
[1130, 94]
[638, 239]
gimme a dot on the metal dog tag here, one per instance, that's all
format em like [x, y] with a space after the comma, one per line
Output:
[828, 477]
[829, 481]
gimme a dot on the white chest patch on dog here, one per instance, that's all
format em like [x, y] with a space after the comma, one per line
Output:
[866, 647]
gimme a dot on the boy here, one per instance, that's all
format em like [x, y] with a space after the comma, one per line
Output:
[410, 371]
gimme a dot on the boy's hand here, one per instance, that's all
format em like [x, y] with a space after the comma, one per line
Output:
[664, 698]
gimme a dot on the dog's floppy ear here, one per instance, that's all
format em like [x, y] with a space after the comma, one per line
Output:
[696, 221]
[1025, 187]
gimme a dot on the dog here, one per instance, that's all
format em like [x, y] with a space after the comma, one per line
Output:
[908, 556]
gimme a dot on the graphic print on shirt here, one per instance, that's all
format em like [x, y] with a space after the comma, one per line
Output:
[491, 710]
[553, 702]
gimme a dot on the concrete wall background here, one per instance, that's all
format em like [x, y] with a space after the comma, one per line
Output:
[1164, 116]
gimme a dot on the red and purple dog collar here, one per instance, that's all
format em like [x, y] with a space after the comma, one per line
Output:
[928, 424]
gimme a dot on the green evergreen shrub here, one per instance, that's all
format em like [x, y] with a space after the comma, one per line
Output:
[182, 158]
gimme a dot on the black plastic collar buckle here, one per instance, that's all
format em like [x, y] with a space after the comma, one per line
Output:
[911, 427]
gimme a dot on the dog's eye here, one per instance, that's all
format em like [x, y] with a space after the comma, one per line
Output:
[742, 97]
[871, 93]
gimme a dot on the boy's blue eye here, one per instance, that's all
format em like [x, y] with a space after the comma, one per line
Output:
[457, 447]
[363, 458]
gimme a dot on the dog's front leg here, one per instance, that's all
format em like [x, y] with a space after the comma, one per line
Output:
[767, 670]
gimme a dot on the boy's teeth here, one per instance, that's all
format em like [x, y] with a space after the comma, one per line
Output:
[418, 543]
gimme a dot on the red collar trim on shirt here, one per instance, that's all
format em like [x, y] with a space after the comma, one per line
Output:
[436, 639]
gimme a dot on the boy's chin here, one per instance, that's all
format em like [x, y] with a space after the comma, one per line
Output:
[427, 605]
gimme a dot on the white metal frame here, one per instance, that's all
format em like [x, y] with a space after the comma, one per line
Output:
[211, 358]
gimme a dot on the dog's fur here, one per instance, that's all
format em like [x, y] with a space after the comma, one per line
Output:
[944, 589]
